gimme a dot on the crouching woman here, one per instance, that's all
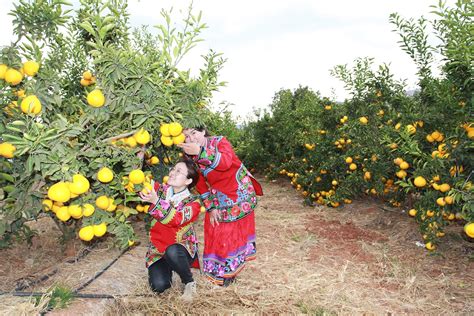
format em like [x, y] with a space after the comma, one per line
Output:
[173, 242]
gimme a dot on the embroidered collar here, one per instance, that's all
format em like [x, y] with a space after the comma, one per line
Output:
[178, 197]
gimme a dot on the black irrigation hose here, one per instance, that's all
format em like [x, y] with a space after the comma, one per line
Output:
[100, 272]
[27, 284]
[45, 277]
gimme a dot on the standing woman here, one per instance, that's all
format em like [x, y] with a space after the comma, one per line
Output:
[229, 193]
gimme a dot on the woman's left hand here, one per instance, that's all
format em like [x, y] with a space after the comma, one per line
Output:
[151, 196]
[191, 149]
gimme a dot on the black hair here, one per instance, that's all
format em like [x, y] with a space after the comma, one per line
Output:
[192, 173]
[200, 128]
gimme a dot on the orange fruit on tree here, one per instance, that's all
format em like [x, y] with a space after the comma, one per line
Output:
[47, 204]
[348, 160]
[87, 75]
[102, 202]
[105, 175]
[164, 130]
[31, 67]
[131, 142]
[449, 199]
[412, 212]
[86, 233]
[469, 229]
[136, 176]
[79, 184]
[411, 129]
[419, 181]
[175, 129]
[363, 120]
[166, 140]
[100, 230]
[444, 187]
[404, 165]
[3, 70]
[179, 139]
[62, 213]
[88, 209]
[142, 137]
[430, 246]
[13, 76]
[31, 105]
[154, 160]
[397, 161]
[7, 150]
[85, 82]
[165, 179]
[440, 201]
[401, 174]
[59, 192]
[352, 166]
[96, 98]
[75, 211]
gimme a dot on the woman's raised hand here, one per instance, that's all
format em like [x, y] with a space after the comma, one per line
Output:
[151, 196]
[190, 148]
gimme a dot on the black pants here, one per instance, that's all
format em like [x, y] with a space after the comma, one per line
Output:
[176, 259]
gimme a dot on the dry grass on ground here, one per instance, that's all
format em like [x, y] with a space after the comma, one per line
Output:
[359, 259]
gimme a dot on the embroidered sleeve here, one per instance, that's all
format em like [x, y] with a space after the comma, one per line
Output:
[203, 189]
[217, 154]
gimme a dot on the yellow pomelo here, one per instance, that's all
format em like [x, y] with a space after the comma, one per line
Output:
[142, 137]
[62, 213]
[166, 140]
[88, 209]
[164, 130]
[7, 150]
[3, 70]
[100, 230]
[96, 98]
[175, 129]
[102, 202]
[13, 76]
[86, 233]
[75, 211]
[179, 139]
[31, 105]
[31, 67]
[136, 176]
[105, 175]
[59, 192]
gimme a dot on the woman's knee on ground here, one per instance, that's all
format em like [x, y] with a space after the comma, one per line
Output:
[159, 285]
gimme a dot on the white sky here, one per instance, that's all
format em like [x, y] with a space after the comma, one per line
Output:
[282, 43]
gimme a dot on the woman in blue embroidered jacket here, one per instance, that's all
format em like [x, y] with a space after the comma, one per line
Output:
[229, 193]
[173, 244]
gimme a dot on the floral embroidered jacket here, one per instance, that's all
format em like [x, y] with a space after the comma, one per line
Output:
[224, 182]
[173, 224]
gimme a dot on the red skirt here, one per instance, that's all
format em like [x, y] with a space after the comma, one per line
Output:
[227, 247]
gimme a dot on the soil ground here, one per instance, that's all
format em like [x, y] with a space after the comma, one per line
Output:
[358, 259]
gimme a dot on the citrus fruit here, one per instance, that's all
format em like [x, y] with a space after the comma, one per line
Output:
[102, 202]
[175, 129]
[59, 192]
[142, 137]
[105, 175]
[164, 130]
[469, 229]
[75, 211]
[136, 176]
[166, 140]
[88, 209]
[30, 67]
[7, 150]
[3, 70]
[96, 98]
[62, 213]
[86, 233]
[31, 105]
[13, 76]
[100, 230]
[179, 139]
[419, 181]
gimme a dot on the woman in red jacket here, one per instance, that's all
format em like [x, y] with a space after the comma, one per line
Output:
[229, 193]
[174, 246]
